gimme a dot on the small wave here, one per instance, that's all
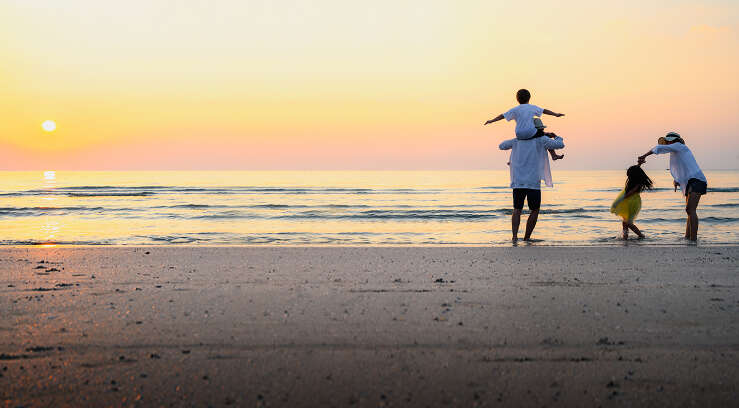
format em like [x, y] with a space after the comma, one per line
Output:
[200, 238]
[141, 194]
[396, 215]
[723, 189]
[32, 242]
[567, 211]
[376, 213]
[618, 190]
[724, 205]
[720, 219]
[92, 191]
[710, 189]
[576, 212]
[190, 206]
[175, 239]
[38, 211]
[682, 220]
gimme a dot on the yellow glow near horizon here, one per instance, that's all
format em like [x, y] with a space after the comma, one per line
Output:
[335, 84]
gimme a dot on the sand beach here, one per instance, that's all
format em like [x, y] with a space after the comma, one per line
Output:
[369, 326]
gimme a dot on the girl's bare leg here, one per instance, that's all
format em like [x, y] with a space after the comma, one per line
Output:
[636, 230]
[630, 226]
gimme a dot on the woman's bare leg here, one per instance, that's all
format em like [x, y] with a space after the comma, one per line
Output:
[625, 234]
[691, 206]
[687, 221]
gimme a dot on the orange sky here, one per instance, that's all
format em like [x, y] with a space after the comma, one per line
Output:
[336, 85]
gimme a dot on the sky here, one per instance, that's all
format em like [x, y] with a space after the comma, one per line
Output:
[339, 85]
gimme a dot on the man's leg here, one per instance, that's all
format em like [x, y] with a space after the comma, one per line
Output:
[531, 224]
[533, 197]
[515, 222]
[519, 195]
[690, 207]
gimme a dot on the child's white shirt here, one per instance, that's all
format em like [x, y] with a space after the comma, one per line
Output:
[524, 114]
[683, 166]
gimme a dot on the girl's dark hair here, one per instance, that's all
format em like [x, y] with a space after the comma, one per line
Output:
[636, 177]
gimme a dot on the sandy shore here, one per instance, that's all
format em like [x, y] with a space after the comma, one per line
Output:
[528, 326]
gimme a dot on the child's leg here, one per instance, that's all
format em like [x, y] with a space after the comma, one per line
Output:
[691, 206]
[554, 155]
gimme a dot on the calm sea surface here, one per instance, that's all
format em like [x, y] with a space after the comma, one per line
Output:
[352, 208]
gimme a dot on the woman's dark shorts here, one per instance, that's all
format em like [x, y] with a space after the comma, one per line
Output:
[531, 195]
[696, 186]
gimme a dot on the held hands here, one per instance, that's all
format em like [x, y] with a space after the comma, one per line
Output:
[641, 160]
[559, 114]
[675, 184]
[488, 122]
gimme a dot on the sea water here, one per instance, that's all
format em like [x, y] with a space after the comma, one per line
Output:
[341, 208]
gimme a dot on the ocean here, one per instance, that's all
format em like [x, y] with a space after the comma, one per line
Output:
[341, 208]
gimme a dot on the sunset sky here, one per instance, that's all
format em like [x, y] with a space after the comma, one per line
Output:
[387, 84]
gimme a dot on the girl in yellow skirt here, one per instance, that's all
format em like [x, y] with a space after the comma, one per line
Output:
[628, 203]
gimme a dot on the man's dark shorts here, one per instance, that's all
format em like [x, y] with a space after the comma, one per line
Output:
[531, 195]
[696, 186]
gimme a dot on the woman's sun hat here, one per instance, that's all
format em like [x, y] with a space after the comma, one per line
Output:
[670, 137]
[538, 123]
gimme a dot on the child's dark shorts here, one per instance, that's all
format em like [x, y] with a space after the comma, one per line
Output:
[696, 186]
[532, 196]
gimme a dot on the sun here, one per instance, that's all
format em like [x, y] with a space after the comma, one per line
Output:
[49, 125]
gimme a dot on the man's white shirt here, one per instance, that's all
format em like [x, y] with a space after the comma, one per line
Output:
[530, 162]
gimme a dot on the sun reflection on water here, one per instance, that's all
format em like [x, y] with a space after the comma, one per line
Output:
[50, 227]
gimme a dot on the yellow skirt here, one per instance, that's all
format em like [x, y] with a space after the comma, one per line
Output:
[628, 208]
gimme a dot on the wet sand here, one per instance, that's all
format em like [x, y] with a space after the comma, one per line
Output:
[453, 326]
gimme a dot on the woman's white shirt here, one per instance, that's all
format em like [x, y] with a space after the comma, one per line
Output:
[683, 165]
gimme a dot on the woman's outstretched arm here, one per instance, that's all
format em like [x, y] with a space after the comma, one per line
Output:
[643, 158]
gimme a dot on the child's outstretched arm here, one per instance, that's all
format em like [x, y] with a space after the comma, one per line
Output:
[495, 119]
[548, 112]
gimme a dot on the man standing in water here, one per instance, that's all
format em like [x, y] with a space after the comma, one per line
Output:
[529, 162]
